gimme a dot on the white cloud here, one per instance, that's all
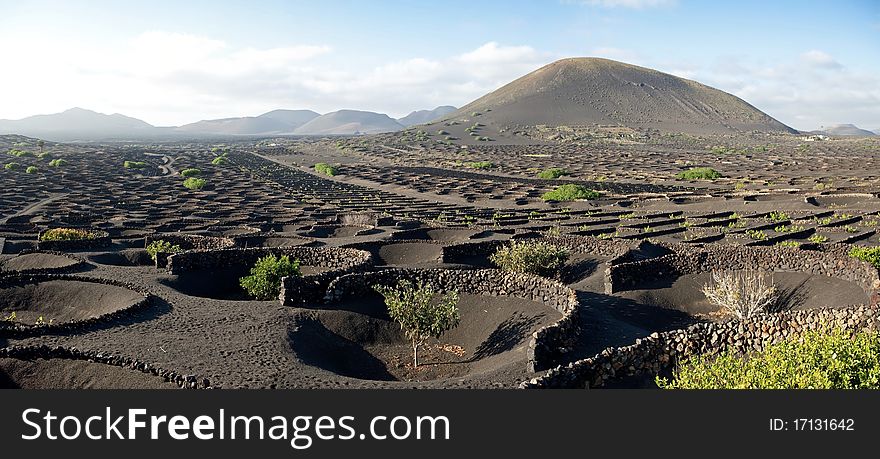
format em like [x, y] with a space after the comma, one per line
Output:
[820, 59]
[801, 92]
[169, 78]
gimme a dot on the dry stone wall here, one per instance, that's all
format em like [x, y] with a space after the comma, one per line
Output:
[547, 344]
[660, 352]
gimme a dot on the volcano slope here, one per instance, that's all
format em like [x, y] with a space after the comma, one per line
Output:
[593, 92]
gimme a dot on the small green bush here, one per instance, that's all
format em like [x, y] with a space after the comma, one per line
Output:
[134, 164]
[480, 165]
[195, 183]
[699, 173]
[219, 161]
[821, 360]
[532, 257]
[45, 155]
[419, 315]
[777, 216]
[68, 234]
[869, 254]
[31, 170]
[12, 166]
[191, 172]
[20, 153]
[264, 282]
[156, 247]
[326, 169]
[57, 162]
[570, 192]
[552, 173]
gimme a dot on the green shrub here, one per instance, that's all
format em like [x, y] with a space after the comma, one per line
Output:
[44, 155]
[68, 234]
[480, 165]
[326, 169]
[570, 192]
[57, 162]
[777, 216]
[818, 239]
[264, 282]
[195, 183]
[134, 164]
[191, 172]
[821, 360]
[552, 173]
[869, 254]
[219, 161]
[12, 166]
[20, 153]
[533, 257]
[156, 247]
[31, 170]
[699, 173]
[757, 235]
[420, 316]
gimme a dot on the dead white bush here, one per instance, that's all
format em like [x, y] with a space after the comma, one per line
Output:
[742, 293]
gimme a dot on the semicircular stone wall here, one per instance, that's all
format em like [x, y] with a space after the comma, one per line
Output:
[660, 352]
[547, 344]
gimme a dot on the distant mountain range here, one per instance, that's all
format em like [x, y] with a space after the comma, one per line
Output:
[849, 130]
[586, 93]
[82, 124]
[426, 116]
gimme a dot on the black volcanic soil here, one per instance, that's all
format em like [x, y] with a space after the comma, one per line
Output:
[37, 261]
[359, 340]
[73, 374]
[200, 326]
[796, 291]
[64, 300]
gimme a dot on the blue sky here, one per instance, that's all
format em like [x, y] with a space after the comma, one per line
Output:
[806, 63]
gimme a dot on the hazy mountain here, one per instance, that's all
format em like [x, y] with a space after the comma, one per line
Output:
[249, 125]
[426, 116]
[349, 122]
[845, 130]
[593, 91]
[77, 123]
[294, 118]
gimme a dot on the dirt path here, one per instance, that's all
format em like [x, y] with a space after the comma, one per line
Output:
[165, 167]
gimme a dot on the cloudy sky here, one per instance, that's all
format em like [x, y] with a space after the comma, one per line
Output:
[807, 63]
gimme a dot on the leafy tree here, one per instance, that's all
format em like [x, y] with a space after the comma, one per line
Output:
[418, 312]
[264, 282]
